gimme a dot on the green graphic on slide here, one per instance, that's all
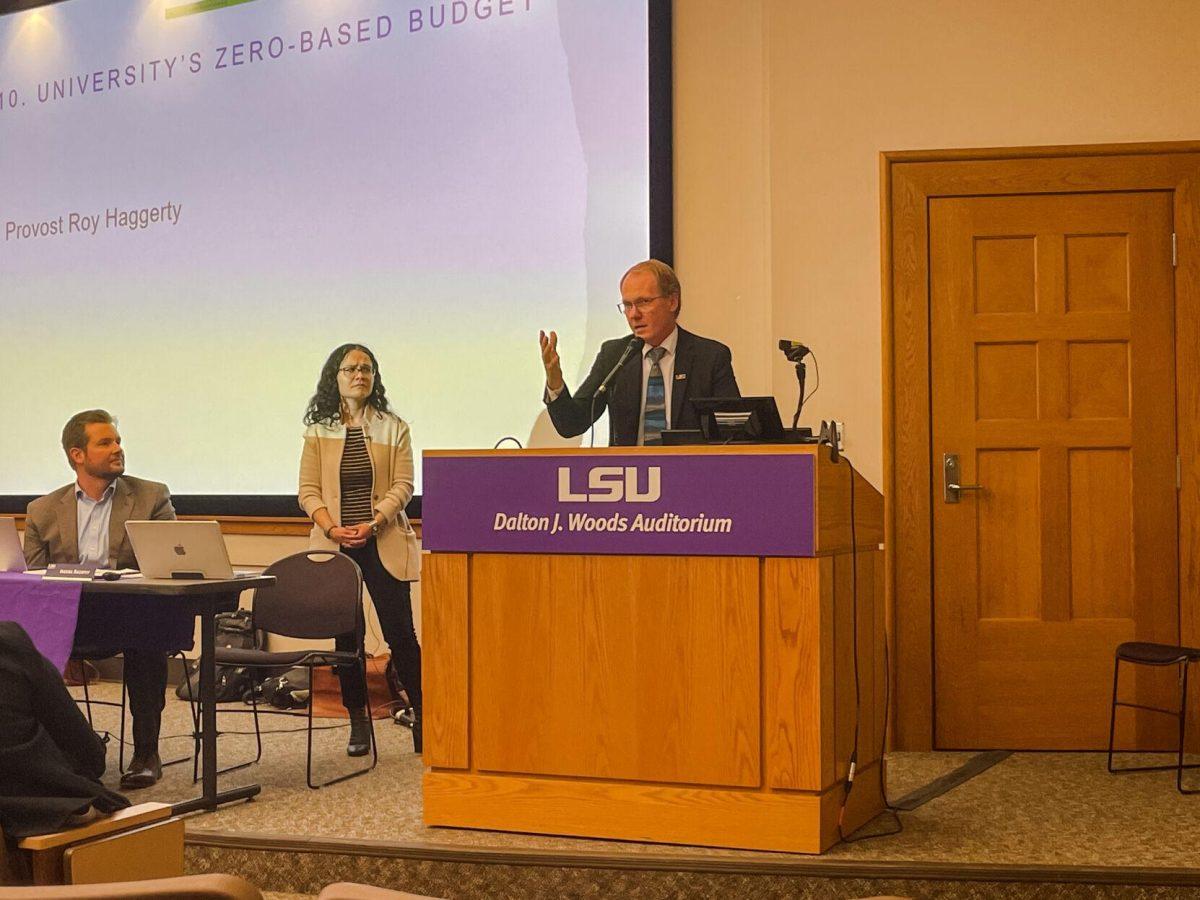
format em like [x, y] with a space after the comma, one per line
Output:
[201, 6]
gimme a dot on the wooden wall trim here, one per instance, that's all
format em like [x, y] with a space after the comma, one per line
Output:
[1047, 152]
[261, 526]
[908, 181]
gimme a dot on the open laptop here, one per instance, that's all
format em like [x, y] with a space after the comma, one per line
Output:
[12, 555]
[171, 549]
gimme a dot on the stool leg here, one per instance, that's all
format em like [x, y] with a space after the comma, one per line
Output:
[1183, 707]
[1112, 721]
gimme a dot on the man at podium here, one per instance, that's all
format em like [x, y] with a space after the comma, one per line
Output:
[643, 400]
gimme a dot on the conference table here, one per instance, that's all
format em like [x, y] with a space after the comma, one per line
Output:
[203, 599]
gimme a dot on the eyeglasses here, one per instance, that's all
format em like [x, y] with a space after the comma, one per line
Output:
[366, 369]
[640, 304]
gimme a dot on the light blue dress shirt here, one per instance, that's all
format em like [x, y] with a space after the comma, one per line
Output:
[91, 521]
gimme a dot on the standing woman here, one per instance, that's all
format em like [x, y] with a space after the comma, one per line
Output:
[356, 477]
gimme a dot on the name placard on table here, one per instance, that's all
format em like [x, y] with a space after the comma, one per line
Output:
[743, 504]
[71, 571]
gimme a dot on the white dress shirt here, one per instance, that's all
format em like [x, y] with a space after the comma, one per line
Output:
[91, 523]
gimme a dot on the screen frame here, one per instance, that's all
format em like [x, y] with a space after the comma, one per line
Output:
[662, 246]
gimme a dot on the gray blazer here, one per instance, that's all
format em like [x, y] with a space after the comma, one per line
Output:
[52, 530]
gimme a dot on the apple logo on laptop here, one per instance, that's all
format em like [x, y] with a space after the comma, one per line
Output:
[179, 551]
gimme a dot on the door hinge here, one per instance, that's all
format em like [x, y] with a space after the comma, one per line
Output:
[1174, 251]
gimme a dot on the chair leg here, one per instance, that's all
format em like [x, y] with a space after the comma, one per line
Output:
[87, 701]
[257, 730]
[308, 760]
[194, 709]
[124, 700]
[87, 706]
[370, 721]
[371, 724]
[257, 739]
[191, 708]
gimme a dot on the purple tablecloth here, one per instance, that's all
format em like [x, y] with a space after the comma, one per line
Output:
[47, 610]
[60, 615]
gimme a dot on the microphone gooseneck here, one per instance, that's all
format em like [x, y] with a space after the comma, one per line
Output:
[633, 344]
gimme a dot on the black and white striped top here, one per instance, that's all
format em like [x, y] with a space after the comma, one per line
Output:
[357, 479]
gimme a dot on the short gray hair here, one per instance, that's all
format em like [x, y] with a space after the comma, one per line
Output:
[668, 281]
[74, 433]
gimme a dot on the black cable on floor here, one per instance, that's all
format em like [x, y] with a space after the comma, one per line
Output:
[887, 805]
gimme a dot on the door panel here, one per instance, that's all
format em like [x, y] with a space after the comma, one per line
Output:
[1052, 378]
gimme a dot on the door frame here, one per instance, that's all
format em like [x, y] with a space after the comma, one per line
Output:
[909, 179]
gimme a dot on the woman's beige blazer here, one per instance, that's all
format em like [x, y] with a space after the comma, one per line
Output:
[390, 447]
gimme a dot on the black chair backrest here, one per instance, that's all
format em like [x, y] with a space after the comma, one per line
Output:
[316, 594]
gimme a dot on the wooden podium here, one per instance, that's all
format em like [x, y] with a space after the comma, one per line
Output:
[691, 698]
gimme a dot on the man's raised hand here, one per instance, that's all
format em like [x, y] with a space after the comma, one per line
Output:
[550, 360]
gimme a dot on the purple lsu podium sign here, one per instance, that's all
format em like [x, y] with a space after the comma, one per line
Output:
[719, 504]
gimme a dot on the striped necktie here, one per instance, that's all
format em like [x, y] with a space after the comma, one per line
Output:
[655, 418]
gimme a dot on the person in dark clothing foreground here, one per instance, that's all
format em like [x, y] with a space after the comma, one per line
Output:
[50, 759]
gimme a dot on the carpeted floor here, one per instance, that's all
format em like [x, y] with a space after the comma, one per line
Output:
[1060, 809]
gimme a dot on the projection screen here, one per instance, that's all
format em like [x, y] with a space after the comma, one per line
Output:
[200, 200]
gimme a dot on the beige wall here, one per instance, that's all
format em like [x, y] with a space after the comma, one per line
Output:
[783, 106]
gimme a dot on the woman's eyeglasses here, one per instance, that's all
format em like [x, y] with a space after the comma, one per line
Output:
[364, 369]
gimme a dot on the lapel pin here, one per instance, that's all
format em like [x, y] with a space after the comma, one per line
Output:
[682, 376]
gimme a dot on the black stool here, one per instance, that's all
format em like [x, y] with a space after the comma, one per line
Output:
[1140, 653]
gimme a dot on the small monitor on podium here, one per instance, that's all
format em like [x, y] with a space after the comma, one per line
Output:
[737, 420]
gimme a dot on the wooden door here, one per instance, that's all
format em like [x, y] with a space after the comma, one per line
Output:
[1052, 379]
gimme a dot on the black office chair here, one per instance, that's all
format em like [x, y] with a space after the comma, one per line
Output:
[1140, 653]
[317, 595]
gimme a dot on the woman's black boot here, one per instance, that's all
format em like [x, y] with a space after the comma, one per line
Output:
[360, 733]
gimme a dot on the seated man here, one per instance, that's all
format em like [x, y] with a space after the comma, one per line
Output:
[645, 399]
[85, 522]
[50, 759]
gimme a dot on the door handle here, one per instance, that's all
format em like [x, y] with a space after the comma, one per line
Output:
[951, 472]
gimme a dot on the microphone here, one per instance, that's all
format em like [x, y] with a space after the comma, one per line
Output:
[794, 350]
[635, 343]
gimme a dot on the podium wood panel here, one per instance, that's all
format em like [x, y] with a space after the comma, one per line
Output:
[444, 672]
[617, 667]
[798, 603]
[639, 812]
[833, 534]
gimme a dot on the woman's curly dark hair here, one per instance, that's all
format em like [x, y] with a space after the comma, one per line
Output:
[325, 407]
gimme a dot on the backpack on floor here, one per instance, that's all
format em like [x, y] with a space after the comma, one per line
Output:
[291, 690]
[236, 630]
